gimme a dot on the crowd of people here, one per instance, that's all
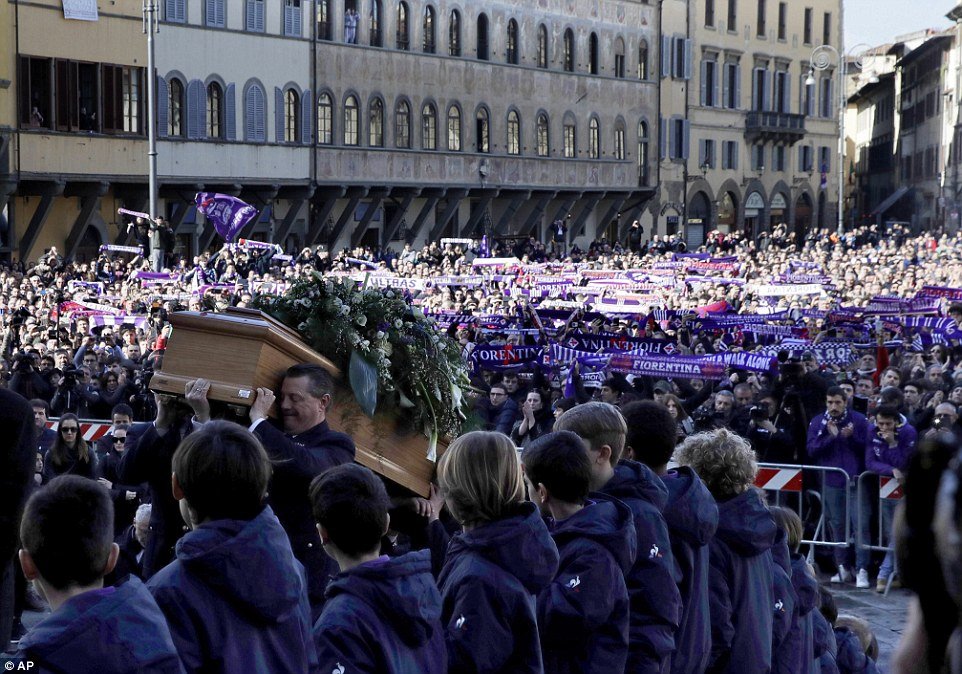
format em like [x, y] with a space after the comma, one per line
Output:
[603, 517]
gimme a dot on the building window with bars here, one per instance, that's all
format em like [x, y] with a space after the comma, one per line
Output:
[542, 135]
[454, 129]
[402, 125]
[514, 132]
[352, 122]
[325, 119]
[429, 127]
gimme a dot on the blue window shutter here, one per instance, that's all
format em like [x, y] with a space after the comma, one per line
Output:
[230, 112]
[250, 115]
[686, 133]
[215, 13]
[296, 20]
[727, 83]
[688, 56]
[666, 56]
[278, 115]
[663, 138]
[787, 94]
[738, 87]
[767, 101]
[260, 116]
[196, 100]
[288, 18]
[307, 117]
[249, 14]
[162, 106]
[259, 7]
[704, 82]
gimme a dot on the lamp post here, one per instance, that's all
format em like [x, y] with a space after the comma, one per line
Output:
[823, 57]
[151, 26]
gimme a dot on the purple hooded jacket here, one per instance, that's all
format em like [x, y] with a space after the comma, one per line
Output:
[847, 453]
[881, 458]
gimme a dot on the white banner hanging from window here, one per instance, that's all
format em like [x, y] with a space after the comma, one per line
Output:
[81, 10]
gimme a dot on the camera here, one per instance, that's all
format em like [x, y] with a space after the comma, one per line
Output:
[71, 375]
[758, 414]
[23, 364]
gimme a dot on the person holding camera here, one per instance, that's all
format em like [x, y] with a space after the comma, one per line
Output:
[27, 381]
[73, 394]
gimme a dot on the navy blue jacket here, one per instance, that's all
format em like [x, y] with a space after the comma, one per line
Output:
[785, 642]
[806, 590]
[740, 579]
[653, 580]
[826, 648]
[851, 658]
[236, 599]
[383, 617]
[298, 460]
[149, 460]
[583, 613]
[116, 630]
[692, 518]
[488, 585]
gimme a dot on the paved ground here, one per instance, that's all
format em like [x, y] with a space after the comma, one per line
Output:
[886, 615]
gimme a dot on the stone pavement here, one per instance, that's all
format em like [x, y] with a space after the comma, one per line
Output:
[886, 615]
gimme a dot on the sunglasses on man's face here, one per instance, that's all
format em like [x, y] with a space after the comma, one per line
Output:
[120, 441]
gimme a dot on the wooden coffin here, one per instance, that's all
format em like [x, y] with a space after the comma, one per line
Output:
[242, 350]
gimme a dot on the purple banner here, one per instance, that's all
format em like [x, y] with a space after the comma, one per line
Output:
[228, 214]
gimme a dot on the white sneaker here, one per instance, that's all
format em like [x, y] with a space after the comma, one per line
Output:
[843, 576]
[861, 580]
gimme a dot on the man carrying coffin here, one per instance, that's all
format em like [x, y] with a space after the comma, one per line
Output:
[303, 448]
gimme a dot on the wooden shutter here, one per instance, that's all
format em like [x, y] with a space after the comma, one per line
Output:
[230, 112]
[162, 106]
[278, 115]
[196, 104]
[307, 116]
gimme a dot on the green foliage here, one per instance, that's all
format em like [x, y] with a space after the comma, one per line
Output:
[395, 358]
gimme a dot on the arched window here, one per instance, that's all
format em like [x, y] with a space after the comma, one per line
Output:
[427, 28]
[619, 58]
[402, 26]
[375, 20]
[569, 50]
[325, 29]
[482, 130]
[643, 154]
[483, 37]
[454, 34]
[619, 139]
[402, 125]
[375, 123]
[542, 133]
[454, 129]
[175, 114]
[215, 111]
[325, 119]
[593, 54]
[542, 46]
[429, 127]
[292, 110]
[511, 53]
[594, 138]
[643, 60]
[514, 132]
[569, 139]
[255, 114]
[351, 122]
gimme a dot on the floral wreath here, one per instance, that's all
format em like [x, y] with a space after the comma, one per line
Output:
[396, 358]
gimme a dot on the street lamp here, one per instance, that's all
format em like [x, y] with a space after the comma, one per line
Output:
[823, 57]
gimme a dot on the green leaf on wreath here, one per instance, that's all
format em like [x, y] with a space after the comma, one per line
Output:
[363, 376]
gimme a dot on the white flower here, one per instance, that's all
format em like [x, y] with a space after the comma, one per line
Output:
[345, 310]
[365, 344]
[303, 302]
[361, 320]
[389, 294]
[398, 323]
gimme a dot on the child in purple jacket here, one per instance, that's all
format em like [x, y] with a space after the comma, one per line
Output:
[67, 532]
[583, 613]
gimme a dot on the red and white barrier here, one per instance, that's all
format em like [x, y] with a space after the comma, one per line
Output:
[889, 488]
[779, 479]
[90, 430]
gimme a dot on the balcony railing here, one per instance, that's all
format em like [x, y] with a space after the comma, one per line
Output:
[776, 126]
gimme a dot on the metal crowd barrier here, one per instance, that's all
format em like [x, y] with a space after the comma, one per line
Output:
[786, 482]
[889, 494]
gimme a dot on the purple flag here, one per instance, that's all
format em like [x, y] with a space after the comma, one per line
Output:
[229, 215]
